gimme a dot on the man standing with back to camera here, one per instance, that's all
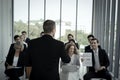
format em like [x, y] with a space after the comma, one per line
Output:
[43, 54]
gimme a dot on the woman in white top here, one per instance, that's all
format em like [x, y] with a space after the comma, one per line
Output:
[70, 71]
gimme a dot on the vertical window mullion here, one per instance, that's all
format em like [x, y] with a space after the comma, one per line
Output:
[44, 10]
[76, 20]
[28, 16]
[60, 16]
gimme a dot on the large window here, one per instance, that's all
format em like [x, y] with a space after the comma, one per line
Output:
[68, 18]
[36, 18]
[71, 16]
[20, 16]
[84, 20]
[53, 12]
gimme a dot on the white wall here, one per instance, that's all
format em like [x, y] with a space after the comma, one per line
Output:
[5, 27]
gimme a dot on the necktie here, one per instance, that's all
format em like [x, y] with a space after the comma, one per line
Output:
[97, 63]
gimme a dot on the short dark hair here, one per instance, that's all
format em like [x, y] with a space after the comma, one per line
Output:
[16, 36]
[70, 35]
[48, 26]
[95, 39]
[24, 32]
[72, 40]
[90, 36]
[41, 33]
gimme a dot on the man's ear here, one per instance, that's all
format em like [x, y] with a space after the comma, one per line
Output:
[54, 30]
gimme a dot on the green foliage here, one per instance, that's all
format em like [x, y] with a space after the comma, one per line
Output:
[81, 36]
[68, 31]
[36, 27]
[19, 27]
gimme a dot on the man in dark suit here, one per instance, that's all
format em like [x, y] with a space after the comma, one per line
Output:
[26, 39]
[89, 37]
[88, 47]
[100, 62]
[43, 54]
[71, 38]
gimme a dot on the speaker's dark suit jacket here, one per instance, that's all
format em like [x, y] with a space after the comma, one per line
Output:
[20, 63]
[43, 56]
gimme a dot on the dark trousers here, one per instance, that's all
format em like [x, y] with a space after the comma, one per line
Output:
[100, 74]
[13, 78]
[13, 73]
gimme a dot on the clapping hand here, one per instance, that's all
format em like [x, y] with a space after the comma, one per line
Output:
[9, 67]
[101, 68]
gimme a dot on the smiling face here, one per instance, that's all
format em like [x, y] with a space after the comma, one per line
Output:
[71, 49]
[17, 39]
[89, 39]
[70, 37]
[21, 38]
[94, 44]
[24, 35]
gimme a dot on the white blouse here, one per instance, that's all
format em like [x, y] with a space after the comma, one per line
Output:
[15, 60]
[70, 71]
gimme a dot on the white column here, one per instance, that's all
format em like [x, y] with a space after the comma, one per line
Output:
[5, 27]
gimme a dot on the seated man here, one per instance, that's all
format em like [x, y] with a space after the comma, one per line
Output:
[88, 47]
[100, 62]
[71, 38]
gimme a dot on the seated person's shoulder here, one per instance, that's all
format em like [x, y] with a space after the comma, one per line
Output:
[87, 46]
[12, 44]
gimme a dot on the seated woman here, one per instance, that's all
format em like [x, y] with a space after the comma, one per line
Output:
[70, 71]
[14, 64]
